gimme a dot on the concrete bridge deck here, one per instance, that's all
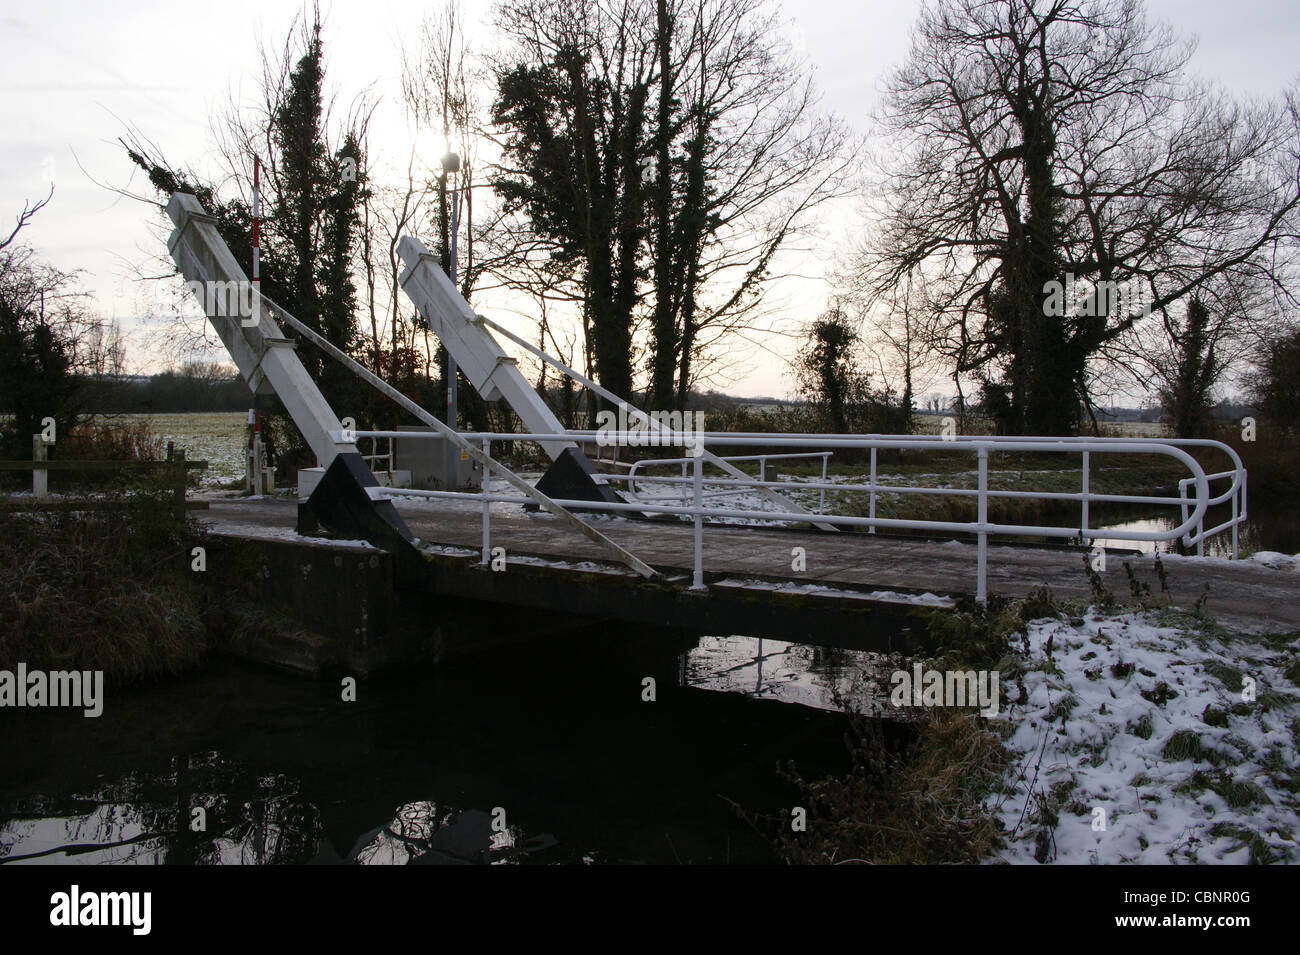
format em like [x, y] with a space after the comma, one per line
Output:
[1244, 595]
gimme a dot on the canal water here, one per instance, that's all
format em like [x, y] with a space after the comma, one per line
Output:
[1269, 526]
[546, 752]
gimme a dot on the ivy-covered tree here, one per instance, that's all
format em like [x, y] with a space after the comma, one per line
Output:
[1277, 389]
[1193, 370]
[660, 154]
[828, 370]
[313, 194]
[1032, 144]
[40, 321]
[575, 121]
[36, 376]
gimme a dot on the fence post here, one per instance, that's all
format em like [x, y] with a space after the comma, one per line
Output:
[981, 570]
[1182, 497]
[40, 476]
[1235, 508]
[1200, 530]
[178, 462]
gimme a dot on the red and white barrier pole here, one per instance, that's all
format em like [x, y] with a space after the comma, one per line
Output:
[257, 238]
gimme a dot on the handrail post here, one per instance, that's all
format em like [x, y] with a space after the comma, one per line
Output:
[982, 559]
[1087, 471]
[697, 582]
[821, 505]
[1238, 502]
[484, 480]
[1200, 531]
[1234, 526]
[871, 509]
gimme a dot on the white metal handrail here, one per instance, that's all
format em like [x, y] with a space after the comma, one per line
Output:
[1189, 530]
[762, 481]
[1235, 493]
[1238, 512]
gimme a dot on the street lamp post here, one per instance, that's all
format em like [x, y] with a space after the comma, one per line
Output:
[450, 167]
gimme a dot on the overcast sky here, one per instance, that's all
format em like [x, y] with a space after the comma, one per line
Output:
[76, 74]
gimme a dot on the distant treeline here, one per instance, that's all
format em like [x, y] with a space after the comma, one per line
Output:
[164, 393]
[207, 389]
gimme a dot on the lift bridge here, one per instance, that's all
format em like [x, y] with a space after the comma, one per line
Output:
[708, 534]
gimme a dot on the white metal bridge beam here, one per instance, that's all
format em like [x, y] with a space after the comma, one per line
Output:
[492, 372]
[265, 358]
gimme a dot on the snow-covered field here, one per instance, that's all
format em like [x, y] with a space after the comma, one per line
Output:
[1152, 737]
[216, 437]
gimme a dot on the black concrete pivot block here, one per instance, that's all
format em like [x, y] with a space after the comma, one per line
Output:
[571, 477]
[341, 506]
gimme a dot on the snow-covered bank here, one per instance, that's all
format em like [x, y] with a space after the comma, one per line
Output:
[1152, 737]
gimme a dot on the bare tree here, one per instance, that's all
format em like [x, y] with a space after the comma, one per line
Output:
[900, 330]
[440, 86]
[1036, 142]
[757, 157]
[25, 217]
[103, 349]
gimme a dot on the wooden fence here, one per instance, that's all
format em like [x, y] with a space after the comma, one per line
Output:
[175, 465]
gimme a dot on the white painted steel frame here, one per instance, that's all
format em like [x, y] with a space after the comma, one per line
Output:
[265, 358]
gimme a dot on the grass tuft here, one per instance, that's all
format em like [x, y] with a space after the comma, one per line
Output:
[918, 804]
[105, 588]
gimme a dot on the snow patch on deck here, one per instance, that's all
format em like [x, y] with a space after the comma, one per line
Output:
[286, 534]
[821, 590]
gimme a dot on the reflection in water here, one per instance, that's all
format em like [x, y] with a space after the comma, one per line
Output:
[108, 833]
[825, 678]
[542, 753]
[273, 825]
[151, 820]
[205, 811]
[1268, 528]
[419, 834]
